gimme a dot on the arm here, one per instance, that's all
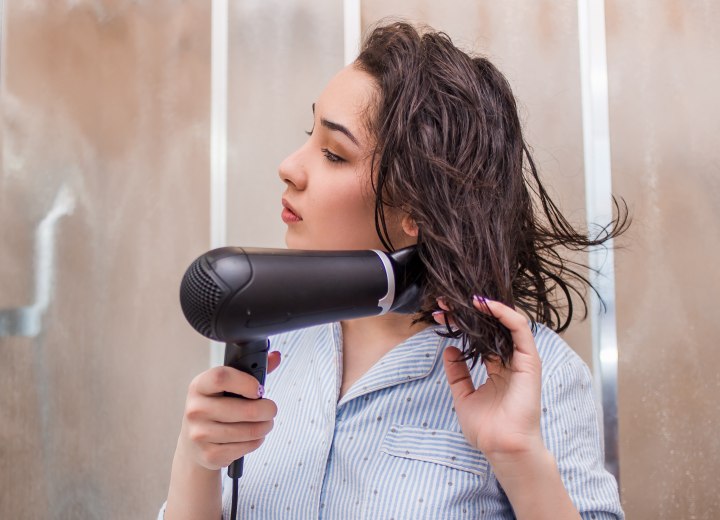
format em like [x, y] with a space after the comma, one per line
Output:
[571, 430]
[195, 491]
[533, 485]
[216, 430]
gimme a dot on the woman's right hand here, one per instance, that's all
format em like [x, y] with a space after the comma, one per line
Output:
[216, 430]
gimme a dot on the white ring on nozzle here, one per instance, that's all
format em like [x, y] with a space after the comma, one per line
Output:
[386, 301]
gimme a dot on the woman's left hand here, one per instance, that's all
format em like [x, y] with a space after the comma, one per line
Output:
[501, 417]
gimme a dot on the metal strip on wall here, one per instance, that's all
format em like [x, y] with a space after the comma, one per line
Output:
[2, 46]
[352, 29]
[598, 199]
[218, 139]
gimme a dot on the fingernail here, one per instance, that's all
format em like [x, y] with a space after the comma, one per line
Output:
[480, 299]
[261, 391]
[437, 313]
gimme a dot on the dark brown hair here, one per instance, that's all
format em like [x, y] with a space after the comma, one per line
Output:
[450, 151]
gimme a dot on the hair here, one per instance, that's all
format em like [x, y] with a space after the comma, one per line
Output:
[450, 152]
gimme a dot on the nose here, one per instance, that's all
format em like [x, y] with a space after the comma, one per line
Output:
[292, 170]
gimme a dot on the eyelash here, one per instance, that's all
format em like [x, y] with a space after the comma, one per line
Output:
[327, 153]
[331, 156]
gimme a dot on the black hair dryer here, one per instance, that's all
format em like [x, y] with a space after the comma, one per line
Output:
[241, 296]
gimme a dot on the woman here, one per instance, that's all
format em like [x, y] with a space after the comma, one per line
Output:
[384, 417]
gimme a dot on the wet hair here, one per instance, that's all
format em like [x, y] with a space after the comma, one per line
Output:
[450, 152]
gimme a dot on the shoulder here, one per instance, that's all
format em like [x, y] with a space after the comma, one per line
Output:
[556, 355]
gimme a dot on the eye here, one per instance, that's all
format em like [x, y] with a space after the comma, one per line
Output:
[331, 156]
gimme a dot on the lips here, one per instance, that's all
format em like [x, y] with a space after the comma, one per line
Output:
[289, 214]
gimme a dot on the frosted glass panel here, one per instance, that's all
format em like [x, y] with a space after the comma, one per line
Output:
[664, 76]
[103, 203]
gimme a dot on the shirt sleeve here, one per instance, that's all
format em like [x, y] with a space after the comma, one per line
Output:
[571, 431]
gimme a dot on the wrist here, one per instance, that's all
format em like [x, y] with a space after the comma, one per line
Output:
[532, 483]
[529, 450]
[524, 465]
[186, 457]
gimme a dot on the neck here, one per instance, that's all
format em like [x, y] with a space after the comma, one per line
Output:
[366, 340]
[384, 331]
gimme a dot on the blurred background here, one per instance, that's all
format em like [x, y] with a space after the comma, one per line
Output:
[112, 153]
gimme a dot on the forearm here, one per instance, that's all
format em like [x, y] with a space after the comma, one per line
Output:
[533, 485]
[195, 491]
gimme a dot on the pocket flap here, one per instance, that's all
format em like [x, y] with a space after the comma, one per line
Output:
[439, 446]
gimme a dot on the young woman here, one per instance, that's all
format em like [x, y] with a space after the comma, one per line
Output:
[385, 417]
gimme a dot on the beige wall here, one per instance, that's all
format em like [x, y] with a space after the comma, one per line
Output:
[664, 72]
[109, 100]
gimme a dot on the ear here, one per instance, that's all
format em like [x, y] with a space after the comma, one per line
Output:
[409, 225]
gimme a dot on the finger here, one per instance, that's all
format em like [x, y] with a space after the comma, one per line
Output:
[222, 455]
[221, 379]
[441, 303]
[230, 409]
[458, 374]
[444, 316]
[223, 433]
[274, 359]
[440, 317]
[515, 322]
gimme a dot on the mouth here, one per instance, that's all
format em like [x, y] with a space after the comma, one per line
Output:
[289, 215]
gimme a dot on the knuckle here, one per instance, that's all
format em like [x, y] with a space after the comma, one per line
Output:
[193, 411]
[259, 430]
[253, 445]
[194, 386]
[220, 376]
[255, 431]
[515, 320]
[214, 455]
[192, 415]
[198, 435]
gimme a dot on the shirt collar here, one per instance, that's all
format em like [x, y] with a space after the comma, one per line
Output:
[411, 360]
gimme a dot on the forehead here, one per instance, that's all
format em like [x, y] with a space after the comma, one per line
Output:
[346, 99]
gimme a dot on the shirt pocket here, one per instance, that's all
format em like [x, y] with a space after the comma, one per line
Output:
[444, 447]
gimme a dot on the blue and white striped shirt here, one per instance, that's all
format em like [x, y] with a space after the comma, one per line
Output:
[392, 448]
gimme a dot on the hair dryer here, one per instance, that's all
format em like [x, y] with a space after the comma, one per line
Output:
[243, 295]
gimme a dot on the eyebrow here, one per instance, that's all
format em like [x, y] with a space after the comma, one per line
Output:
[337, 127]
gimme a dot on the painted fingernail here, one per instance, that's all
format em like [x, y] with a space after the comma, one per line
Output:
[437, 313]
[480, 299]
[261, 391]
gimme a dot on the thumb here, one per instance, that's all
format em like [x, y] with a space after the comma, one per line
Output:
[457, 373]
[274, 359]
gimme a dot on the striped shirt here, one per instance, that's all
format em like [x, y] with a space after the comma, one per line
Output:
[392, 448]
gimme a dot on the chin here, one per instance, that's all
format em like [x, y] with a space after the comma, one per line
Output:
[330, 243]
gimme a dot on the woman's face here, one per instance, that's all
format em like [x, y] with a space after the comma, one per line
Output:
[329, 202]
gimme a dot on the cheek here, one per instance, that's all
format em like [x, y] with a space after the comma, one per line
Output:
[344, 215]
